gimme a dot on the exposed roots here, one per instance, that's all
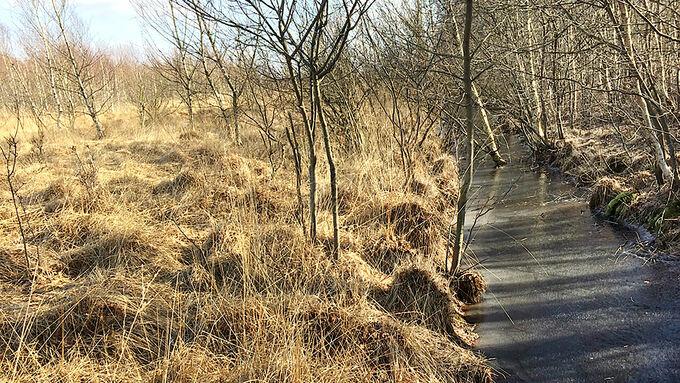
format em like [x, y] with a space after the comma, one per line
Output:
[469, 287]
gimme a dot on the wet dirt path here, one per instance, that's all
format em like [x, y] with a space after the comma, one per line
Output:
[566, 302]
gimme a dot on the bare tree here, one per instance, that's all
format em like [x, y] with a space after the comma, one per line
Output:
[491, 138]
[470, 143]
[37, 19]
[308, 38]
[79, 70]
[408, 80]
[177, 65]
[233, 63]
[9, 153]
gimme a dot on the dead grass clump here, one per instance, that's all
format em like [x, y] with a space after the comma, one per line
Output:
[574, 157]
[304, 338]
[280, 241]
[431, 149]
[192, 364]
[75, 369]
[236, 169]
[445, 171]
[12, 265]
[218, 260]
[406, 215]
[54, 197]
[102, 319]
[158, 336]
[384, 348]
[208, 154]
[419, 295]
[416, 221]
[330, 330]
[348, 241]
[128, 187]
[111, 250]
[389, 252]
[617, 163]
[267, 201]
[68, 230]
[604, 191]
[55, 190]
[469, 287]
[112, 240]
[642, 180]
[276, 259]
[349, 197]
[153, 152]
[189, 135]
[176, 186]
[284, 254]
[425, 186]
[171, 156]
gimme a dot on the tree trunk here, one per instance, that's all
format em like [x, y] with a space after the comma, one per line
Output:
[624, 38]
[234, 113]
[87, 99]
[469, 130]
[331, 168]
[493, 147]
[311, 138]
[206, 71]
[538, 107]
[53, 84]
[232, 87]
[297, 161]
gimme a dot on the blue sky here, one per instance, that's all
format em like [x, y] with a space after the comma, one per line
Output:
[111, 22]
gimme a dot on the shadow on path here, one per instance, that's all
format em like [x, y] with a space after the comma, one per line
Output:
[565, 303]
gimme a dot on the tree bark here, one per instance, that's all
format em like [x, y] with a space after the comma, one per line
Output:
[469, 130]
[538, 107]
[493, 147]
[624, 38]
[331, 169]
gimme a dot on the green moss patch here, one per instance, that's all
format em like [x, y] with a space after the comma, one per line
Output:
[619, 205]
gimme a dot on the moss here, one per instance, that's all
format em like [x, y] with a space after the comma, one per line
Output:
[656, 223]
[672, 210]
[604, 191]
[621, 210]
[617, 206]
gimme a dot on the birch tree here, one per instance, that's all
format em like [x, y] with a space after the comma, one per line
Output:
[78, 68]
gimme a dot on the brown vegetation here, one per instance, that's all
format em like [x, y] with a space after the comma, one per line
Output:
[184, 261]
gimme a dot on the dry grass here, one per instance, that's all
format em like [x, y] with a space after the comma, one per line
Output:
[587, 155]
[178, 258]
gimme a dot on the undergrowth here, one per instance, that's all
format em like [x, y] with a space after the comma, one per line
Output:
[169, 259]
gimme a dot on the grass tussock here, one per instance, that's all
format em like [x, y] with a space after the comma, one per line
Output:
[182, 259]
[604, 191]
[470, 287]
[389, 251]
[419, 295]
[415, 220]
